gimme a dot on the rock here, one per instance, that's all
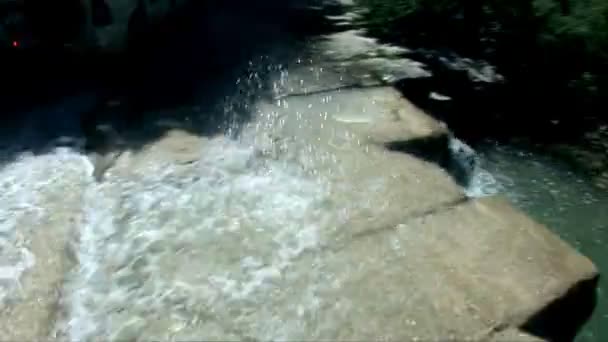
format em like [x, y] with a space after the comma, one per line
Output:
[601, 180]
[393, 70]
[439, 97]
[346, 3]
[511, 248]
[398, 267]
[372, 115]
[32, 316]
[349, 13]
[103, 143]
[345, 20]
[421, 280]
[352, 44]
[341, 136]
[347, 60]
[591, 161]
[103, 162]
[515, 335]
[379, 115]
[308, 227]
[176, 147]
[306, 77]
[463, 161]
[477, 71]
[383, 62]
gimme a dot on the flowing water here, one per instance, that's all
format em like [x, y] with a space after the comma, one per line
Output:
[553, 194]
[135, 246]
[141, 234]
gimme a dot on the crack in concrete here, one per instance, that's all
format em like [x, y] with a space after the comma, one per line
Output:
[415, 215]
[340, 245]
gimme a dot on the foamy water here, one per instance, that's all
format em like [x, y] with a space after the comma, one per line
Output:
[196, 252]
[470, 167]
[160, 249]
[24, 186]
[173, 252]
[555, 195]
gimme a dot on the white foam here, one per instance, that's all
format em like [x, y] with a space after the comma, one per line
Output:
[161, 250]
[483, 184]
[23, 186]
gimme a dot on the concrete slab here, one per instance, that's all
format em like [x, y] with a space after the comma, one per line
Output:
[340, 137]
[421, 281]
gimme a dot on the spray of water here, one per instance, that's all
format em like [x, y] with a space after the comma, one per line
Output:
[468, 168]
[184, 252]
[152, 251]
[189, 252]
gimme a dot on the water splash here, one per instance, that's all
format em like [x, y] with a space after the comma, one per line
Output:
[483, 184]
[157, 242]
[467, 168]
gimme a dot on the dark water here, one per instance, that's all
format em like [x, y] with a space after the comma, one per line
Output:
[553, 194]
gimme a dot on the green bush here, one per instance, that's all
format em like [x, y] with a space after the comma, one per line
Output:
[557, 45]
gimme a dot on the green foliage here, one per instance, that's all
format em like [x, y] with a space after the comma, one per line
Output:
[549, 43]
[385, 18]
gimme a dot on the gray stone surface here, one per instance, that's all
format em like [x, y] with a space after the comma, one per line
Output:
[409, 260]
[382, 61]
[347, 59]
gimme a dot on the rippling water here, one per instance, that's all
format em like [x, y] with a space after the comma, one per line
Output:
[147, 238]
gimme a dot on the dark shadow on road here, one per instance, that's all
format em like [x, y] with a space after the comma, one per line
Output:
[200, 72]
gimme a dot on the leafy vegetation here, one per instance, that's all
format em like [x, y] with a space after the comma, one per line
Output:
[550, 50]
